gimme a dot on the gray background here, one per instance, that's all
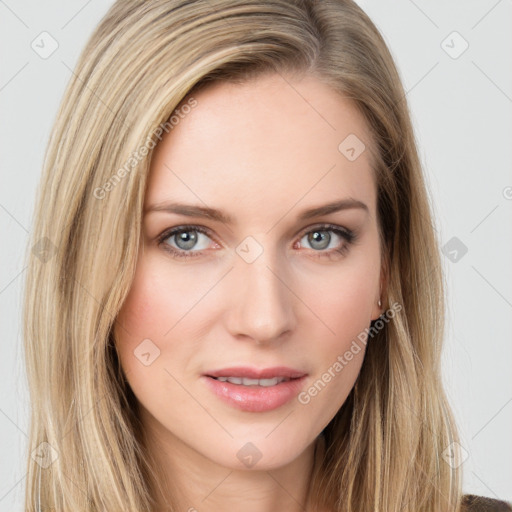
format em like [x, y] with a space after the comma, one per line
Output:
[461, 105]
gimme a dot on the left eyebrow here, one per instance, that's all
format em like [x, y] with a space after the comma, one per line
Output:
[336, 206]
[191, 210]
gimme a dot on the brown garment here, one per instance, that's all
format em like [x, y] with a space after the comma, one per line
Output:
[472, 503]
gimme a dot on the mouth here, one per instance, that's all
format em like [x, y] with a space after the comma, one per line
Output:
[248, 373]
[243, 381]
[255, 390]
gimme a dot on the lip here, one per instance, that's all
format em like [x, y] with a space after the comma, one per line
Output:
[256, 373]
[255, 398]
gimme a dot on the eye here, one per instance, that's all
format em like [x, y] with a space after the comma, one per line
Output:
[185, 241]
[328, 239]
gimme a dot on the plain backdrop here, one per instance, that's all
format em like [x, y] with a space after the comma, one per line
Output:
[455, 60]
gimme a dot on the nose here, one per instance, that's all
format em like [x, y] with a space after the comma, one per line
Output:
[260, 303]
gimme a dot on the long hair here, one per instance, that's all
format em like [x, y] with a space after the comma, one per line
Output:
[384, 448]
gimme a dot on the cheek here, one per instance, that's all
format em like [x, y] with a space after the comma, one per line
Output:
[149, 329]
[342, 304]
[343, 301]
[327, 391]
[158, 299]
[163, 315]
[341, 343]
[152, 309]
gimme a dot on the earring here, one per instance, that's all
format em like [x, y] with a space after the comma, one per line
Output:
[379, 303]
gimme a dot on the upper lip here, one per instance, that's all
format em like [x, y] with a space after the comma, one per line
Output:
[257, 373]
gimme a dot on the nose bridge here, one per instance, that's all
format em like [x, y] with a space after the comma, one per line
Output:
[262, 306]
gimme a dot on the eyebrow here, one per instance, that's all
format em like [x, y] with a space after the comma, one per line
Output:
[190, 210]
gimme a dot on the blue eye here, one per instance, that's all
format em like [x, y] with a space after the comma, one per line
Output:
[325, 240]
[320, 238]
[185, 238]
[329, 237]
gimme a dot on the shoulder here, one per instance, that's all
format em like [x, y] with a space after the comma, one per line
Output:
[473, 503]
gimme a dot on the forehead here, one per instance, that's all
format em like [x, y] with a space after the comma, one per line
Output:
[267, 144]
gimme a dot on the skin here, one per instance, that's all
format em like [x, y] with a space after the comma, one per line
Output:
[261, 152]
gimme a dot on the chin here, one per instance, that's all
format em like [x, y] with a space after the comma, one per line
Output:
[264, 453]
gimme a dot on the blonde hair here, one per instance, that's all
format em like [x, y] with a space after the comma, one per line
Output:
[383, 448]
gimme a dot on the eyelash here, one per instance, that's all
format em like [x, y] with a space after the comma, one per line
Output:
[349, 236]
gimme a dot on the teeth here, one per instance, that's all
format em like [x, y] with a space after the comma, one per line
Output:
[253, 382]
[271, 382]
[250, 382]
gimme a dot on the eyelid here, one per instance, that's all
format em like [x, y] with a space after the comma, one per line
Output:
[325, 226]
[349, 236]
[186, 227]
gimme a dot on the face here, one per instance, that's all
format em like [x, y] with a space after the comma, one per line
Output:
[244, 275]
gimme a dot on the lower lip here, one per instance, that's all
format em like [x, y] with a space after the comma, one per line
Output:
[255, 398]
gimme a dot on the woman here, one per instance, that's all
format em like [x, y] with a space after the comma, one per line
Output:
[241, 301]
